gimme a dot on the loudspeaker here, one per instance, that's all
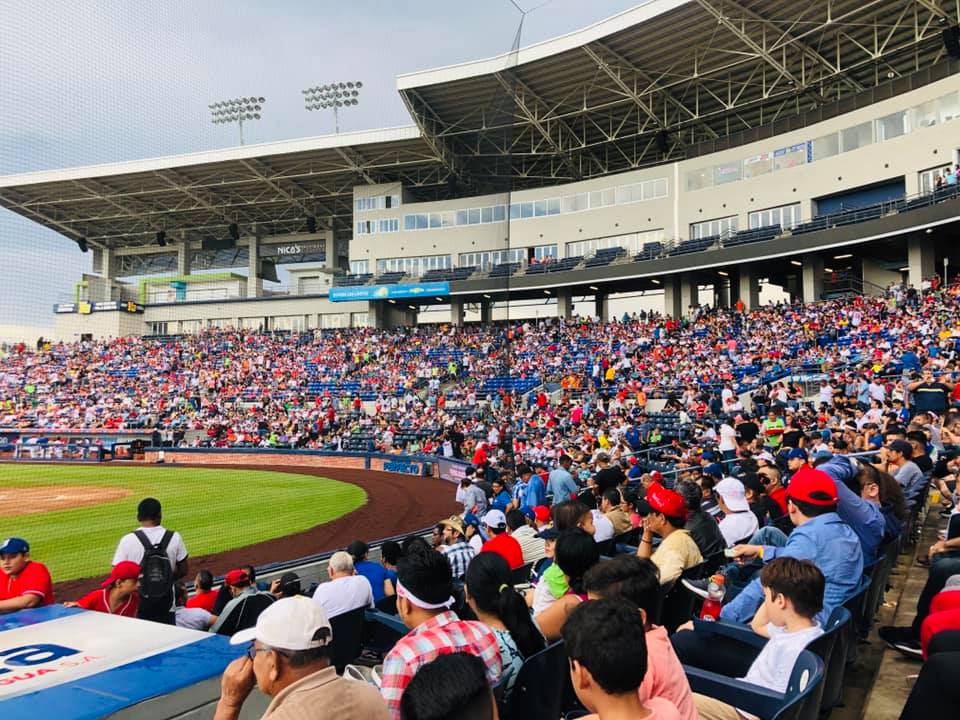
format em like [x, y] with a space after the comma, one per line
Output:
[311, 224]
[215, 243]
[663, 142]
[268, 271]
[162, 238]
[234, 232]
[82, 243]
[951, 41]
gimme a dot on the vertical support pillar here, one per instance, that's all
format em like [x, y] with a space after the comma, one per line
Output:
[601, 306]
[564, 304]
[722, 293]
[689, 294]
[486, 311]
[747, 288]
[812, 278]
[184, 256]
[920, 260]
[672, 305]
[254, 283]
[456, 313]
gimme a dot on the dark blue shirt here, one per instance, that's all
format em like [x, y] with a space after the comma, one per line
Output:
[375, 573]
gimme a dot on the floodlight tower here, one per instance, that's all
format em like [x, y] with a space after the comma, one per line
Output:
[236, 111]
[333, 96]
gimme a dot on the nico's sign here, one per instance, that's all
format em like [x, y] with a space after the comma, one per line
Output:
[296, 251]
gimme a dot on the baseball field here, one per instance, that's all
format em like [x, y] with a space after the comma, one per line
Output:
[73, 515]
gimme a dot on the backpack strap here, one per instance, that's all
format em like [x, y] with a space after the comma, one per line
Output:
[165, 541]
[144, 540]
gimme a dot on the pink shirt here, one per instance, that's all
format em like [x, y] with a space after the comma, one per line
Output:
[665, 677]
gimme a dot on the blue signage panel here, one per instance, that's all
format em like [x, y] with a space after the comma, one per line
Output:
[387, 292]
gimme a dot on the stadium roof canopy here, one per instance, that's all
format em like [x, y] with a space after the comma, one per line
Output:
[650, 85]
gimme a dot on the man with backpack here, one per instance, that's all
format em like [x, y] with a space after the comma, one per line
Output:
[162, 557]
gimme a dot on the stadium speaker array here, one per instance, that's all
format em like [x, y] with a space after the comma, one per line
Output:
[216, 243]
[951, 41]
[311, 224]
[82, 244]
[663, 142]
[162, 238]
[234, 232]
[268, 271]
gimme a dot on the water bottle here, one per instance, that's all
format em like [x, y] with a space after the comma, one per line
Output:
[714, 601]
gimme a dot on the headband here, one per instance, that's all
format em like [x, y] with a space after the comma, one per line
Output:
[406, 594]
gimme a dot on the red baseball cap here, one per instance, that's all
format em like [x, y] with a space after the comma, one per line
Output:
[661, 500]
[656, 476]
[237, 578]
[125, 570]
[542, 512]
[812, 486]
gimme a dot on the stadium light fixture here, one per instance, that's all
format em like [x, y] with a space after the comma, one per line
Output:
[655, 281]
[236, 111]
[797, 263]
[333, 96]
[723, 273]
[843, 257]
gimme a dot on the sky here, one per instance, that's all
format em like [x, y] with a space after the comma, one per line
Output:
[101, 81]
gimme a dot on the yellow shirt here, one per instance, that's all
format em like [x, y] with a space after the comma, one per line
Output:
[677, 552]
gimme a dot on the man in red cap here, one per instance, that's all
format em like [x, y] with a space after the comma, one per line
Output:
[665, 514]
[118, 593]
[245, 607]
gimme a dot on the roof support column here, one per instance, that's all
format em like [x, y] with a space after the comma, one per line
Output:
[920, 260]
[486, 311]
[565, 304]
[689, 294]
[722, 290]
[672, 306]
[746, 287]
[456, 313]
[812, 278]
[184, 256]
[254, 283]
[601, 306]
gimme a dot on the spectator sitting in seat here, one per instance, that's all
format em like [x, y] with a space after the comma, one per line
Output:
[424, 599]
[452, 687]
[455, 547]
[704, 530]
[561, 587]
[195, 618]
[501, 496]
[24, 583]
[501, 608]
[289, 660]
[474, 534]
[573, 514]
[345, 590]
[610, 505]
[793, 595]
[637, 581]
[118, 594]
[665, 514]
[245, 607]
[500, 541]
[605, 643]
[375, 573]
[390, 553]
[739, 523]
[287, 585]
[521, 524]
[204, 595]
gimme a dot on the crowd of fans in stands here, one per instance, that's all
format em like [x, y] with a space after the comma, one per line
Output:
[568, 532]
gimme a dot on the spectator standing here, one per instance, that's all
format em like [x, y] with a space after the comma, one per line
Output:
[375, 573]
[345, 590]
[560, 484]
[147, 546]
[929, 395]
[24, 583]
[424, 599]
[289, 660]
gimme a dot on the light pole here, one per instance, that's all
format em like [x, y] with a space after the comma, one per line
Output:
[236, 111]
[334, 95]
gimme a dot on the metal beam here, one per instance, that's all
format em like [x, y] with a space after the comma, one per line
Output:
[20, 208]
[179, 182]
[427, 122]
[264, 172]
[356, 163]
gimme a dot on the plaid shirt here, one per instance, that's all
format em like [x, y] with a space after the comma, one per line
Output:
[459, 556]
[442, 634]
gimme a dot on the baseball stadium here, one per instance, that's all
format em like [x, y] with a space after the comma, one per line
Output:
[613, 374]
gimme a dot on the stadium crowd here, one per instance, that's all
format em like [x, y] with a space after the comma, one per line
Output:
[589, 533]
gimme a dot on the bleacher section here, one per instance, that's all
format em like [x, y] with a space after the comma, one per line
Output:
[650, 251]
[692, 246]
[352, 280]
[759, 234]
[449, 274]
[568, 263]
[390, 278]
[504, 270]
[604, 257]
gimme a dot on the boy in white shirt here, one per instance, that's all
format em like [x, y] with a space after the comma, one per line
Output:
[793, 595]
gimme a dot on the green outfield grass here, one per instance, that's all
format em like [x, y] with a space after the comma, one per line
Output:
[214, 509]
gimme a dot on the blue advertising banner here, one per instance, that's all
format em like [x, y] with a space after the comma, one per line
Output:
[387, 292]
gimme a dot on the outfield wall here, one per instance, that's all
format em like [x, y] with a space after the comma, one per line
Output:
[417, 465]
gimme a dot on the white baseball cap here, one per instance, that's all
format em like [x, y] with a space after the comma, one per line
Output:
[288, 624]
[765, 455]
[733, 493]
[495, 519]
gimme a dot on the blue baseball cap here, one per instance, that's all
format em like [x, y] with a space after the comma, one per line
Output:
[709, 455]
[822, 455]
[14, 546]
[714, 469]
[471, 519]
[797, 454]
[528, 512]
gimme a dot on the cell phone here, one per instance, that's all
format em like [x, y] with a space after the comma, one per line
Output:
[728, 552]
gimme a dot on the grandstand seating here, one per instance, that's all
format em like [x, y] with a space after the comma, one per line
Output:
[448, 274]
[568, 263]
[604, 256]
[352, 280]
[691, 246]
[650, 251]
[390, 278]
[759, 234]
[504, 269]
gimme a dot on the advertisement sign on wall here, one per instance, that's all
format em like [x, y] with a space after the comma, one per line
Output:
[388, 292]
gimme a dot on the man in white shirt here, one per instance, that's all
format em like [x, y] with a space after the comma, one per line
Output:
[728, 441]
[345, 591]
[156, 606]
[739, 523]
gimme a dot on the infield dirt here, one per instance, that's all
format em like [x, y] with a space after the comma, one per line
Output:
[396, 504]
[45, 498]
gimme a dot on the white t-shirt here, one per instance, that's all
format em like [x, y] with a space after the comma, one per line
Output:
[542, 598]
[738, 526]
[728, 438]
[130, 548]
[602, 525]
[344, 594]
[476, 542]
[774, 664]
[193, 618]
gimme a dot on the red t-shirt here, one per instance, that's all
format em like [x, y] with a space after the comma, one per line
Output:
[779, 496]
[935, 623]
[99, 601]
[204, 600]
[506, 547]
[34, 580]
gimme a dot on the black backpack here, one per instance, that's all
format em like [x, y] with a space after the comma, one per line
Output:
[156, 574]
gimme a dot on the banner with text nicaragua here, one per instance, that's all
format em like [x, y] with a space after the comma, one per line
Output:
[388, 292]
